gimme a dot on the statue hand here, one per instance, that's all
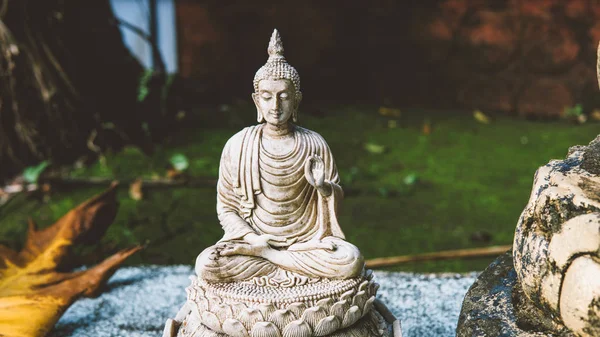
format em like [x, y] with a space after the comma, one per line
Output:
[314, 171]
[266, 240]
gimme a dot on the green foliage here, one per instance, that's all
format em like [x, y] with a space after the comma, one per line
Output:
[422, 194]
[574, 111]
[32, 173]
[143, 89]
[179, 162]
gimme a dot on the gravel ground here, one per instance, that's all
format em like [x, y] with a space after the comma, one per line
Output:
[139, 300]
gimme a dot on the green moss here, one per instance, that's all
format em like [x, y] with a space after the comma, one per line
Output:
[424, 193]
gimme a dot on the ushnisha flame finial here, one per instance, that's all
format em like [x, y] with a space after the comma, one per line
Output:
[275, 48]
[277, 67]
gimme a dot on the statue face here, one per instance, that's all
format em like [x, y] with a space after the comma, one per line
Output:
[276, 101]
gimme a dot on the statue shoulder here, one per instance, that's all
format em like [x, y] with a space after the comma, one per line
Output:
[234, 144]
[312, 134]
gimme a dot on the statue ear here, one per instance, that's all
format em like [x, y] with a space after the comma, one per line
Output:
[298, 100]
[259, 116]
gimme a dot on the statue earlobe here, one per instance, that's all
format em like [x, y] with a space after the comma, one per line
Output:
[295, 113]
[259, 116]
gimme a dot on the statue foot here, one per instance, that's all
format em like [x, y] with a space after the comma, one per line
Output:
[313, 244]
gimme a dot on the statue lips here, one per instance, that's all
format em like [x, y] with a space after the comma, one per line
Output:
[276, 113]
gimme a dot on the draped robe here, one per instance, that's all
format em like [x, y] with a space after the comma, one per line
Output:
[263, 193]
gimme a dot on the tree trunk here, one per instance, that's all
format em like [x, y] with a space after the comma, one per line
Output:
[68, 85]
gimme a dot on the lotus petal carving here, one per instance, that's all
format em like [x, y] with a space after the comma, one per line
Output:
[360, 299]
[265, 329]
[368, 305]
[249, 317]
[363, 285]
[297, 309]
[339, 309]
[347, 295]
[211, 320]
[234, 328]
[281, 318]
[266, 309]
[298, 328]
[352, 315]
[313, 315]
[327, 325]
[325, 303]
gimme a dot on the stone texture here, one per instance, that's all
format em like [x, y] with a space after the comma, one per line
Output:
[138, 300]
[496, 306]
[550, 286]
[591, 157]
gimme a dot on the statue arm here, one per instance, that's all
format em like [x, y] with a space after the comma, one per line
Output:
[228, 203]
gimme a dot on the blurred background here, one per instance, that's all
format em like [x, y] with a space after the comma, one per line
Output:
[438, 112]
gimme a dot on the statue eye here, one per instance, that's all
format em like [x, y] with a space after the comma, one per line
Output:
[266, 96]
[284, 96]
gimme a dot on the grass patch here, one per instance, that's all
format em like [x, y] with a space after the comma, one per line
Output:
[414, 193]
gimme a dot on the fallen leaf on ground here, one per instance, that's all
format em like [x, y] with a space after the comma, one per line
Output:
[34, 292]
[426, 127]
[389, 112]
[374, 148]
[135, 190]
[481, 117]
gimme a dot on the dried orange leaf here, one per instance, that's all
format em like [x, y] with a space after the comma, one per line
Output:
[34, 293]
[135, 190]
[389, 112]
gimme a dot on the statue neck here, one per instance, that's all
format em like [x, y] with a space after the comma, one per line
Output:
[278, 131]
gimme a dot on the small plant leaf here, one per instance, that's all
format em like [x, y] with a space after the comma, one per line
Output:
[481, 117]
[33, 173]
[410, 179]
[374, 148]
[179, 162]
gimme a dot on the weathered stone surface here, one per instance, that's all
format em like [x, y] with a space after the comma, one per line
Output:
[551, 285]
[591, 157]
[496, 306]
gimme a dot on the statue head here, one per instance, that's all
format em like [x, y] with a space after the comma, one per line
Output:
[276, 87]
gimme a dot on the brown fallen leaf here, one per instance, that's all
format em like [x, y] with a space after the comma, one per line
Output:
[389, 112]
[34, 293]
[135, 190]
[426, 130]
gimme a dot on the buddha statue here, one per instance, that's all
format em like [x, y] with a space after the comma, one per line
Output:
[283, 267]
[278, 191]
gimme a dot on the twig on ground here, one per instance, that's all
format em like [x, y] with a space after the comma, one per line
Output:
[147, 183]
[436, 256]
